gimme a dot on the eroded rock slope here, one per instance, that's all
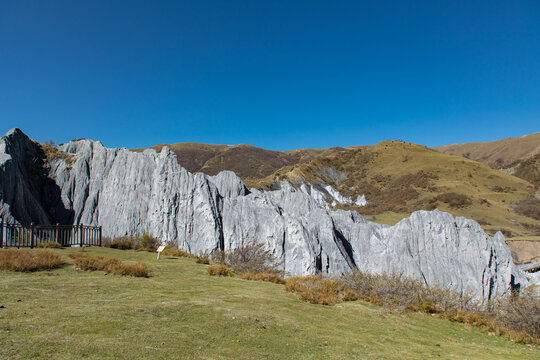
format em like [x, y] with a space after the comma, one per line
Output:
[129, 192]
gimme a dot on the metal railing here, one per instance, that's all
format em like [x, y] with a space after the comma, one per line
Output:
[16, 235]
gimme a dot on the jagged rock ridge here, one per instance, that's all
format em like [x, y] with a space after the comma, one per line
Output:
[128, 192]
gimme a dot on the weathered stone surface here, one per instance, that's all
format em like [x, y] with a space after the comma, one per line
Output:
[128, 193]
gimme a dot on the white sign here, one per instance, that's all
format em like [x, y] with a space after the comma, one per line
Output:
[159, 250]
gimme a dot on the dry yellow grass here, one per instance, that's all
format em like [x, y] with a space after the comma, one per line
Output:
[219, 270]
[52, 153]
[108, 264]
[28, 261]
[268, 277]
[498, 153]
[49, 245]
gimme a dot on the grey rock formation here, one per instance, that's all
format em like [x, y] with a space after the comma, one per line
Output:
[128, 193]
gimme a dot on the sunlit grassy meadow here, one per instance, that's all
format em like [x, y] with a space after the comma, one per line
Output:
[182, 313]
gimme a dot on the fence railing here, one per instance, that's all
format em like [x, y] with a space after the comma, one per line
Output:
[16, 235]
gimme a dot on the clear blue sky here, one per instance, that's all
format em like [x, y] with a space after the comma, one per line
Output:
[275, 74]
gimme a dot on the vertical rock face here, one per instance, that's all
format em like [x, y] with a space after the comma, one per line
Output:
[128, 193]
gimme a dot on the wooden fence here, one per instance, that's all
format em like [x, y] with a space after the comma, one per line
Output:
[15, 235]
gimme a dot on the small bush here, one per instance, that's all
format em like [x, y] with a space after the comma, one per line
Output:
[137, 270]
[123, 243]
[317, 290]
[27, 261]
[455, 200]
[218, 256]
[521, 313]
[149, 242]
[49, 245]
[253, 258]
[219, 270]
[89, 262]
[202, 260]
[273, 278]
[169, 251]
[109, 265]
[498, 188]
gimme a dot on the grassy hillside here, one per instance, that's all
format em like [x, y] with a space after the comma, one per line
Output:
[499, 153]
[527, 169]
[182, 313]
[398, 178]
[246, 161]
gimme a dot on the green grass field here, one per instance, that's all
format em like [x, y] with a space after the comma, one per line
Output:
[182, 313]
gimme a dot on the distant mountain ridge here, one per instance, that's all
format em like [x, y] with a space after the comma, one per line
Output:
[247, 161]
[499, 153]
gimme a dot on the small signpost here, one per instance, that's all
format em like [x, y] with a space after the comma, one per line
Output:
[160, 250]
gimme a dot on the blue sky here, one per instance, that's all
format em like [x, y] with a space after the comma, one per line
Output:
[275, 74]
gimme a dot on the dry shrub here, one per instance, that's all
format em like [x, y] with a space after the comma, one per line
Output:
[147, 241]
[26, 261]
[521, 313]
[318, 290]
[137, 270]
[219, 270]
[273, 278]
[529, 207]
[123, 243]
[53, 153]
[218, 256]
[106, 241]
[202, 260]
[498, 188]
[109, 265]
[529, 169]
[253, 258]
[49, 245]
[516, 316]
[420, 180]
[89, 262]
[401, 293]
[455, 200]
[170, 251]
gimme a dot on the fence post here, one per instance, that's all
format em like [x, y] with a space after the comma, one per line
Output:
[2, 234]
[100, 236]
[31, 235]
[81, 235]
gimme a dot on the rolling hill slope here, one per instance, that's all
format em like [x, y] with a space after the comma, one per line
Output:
[398, 178]
[247, 161]
[500, 153]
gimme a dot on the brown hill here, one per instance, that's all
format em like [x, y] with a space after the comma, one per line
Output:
[247, 161]
[499, 153]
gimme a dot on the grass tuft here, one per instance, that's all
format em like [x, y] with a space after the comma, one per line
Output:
[170, 251]
[219, 270]
[28, 261]
[49, 245]
[110, 265]
[202, 260]
[269, 277]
